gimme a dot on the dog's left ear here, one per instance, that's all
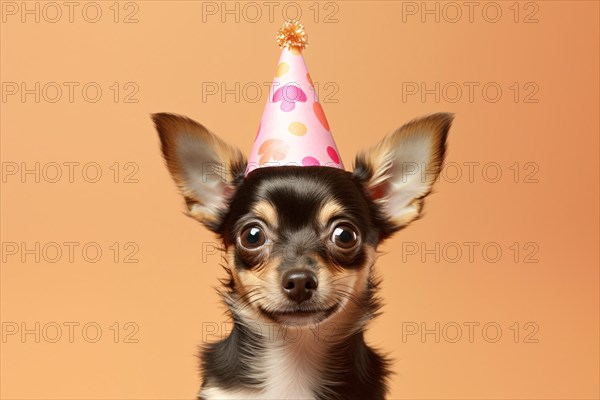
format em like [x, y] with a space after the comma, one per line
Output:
[206, 169]
[399, 171]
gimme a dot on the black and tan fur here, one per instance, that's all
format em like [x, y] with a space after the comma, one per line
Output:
[322, 222]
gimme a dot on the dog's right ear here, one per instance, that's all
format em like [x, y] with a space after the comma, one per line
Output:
[206, 169]
[399, 172]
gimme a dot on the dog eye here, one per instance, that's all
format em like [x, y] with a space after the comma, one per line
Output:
[344, 236]
[252, 237]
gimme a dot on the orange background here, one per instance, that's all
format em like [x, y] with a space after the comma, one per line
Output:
[366, 56]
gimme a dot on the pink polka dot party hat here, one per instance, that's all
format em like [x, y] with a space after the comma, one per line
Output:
[293, 129]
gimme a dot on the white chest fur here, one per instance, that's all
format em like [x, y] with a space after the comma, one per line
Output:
[289, 370]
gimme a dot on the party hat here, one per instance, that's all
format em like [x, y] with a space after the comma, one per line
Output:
[293, 129]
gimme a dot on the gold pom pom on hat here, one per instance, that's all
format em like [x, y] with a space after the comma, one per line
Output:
[292, 36]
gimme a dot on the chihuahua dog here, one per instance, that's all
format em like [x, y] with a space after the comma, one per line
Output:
[300, 245]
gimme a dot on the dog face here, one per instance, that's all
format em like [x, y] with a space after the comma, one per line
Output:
[301, 241]
[301, 245]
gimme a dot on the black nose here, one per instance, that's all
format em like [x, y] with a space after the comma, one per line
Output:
[299, 285]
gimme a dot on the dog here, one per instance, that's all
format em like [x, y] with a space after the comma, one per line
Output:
[300, 246]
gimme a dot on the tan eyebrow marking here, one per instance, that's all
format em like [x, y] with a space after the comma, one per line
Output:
[266, 211]
[329, 210]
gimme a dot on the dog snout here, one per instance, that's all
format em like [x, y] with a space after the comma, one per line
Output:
[299, 285]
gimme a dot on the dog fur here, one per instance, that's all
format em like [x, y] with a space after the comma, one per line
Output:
[320, 222]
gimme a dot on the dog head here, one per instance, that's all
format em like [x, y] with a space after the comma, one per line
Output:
[301, 241]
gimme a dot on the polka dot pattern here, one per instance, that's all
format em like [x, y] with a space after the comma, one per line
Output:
[293, 129]
[272, 149]
[310, 162]
[282, 68]
[288, 95]
[333, 154]
[320, 114]
[297, 128]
